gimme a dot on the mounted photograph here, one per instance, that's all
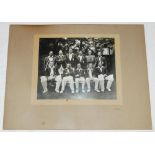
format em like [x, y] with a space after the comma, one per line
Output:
[77, 77]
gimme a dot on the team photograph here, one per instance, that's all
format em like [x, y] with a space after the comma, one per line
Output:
[76, 68]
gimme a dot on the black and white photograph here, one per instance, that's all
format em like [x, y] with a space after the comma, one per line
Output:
[77, 68]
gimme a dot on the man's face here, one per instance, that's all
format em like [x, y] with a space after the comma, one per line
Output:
[70, 50]
[68, 66]
[89, 52]
[99, 53]
[78, 65]
[60, 52]
[51, 53]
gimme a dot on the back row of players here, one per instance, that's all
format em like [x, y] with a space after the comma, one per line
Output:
[76, 69]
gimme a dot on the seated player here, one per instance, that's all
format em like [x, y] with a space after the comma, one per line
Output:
[101, 74]
[90, 58]
[79, 78]
[110, 79]
[67, 77]
[58, 78]
[91, 76]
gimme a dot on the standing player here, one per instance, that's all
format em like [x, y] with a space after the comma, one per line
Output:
[61, 60]
[90, 58]
[81, 59]
[70, 58]
[50, 58]
[100, 59]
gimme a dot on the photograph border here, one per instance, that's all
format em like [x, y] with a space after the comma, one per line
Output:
[119, 96]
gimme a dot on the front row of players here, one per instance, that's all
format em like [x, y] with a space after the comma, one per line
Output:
[79, 76]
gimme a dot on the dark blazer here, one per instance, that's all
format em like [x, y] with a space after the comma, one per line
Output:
[79, 73]
[57, 72]
[60, 60]
[82, 61]
[101, 70]
[72, 61]
[90, 59]
[102, 60]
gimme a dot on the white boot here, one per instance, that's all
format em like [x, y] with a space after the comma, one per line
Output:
[56, 90]
[109, 83]
[83, 90]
